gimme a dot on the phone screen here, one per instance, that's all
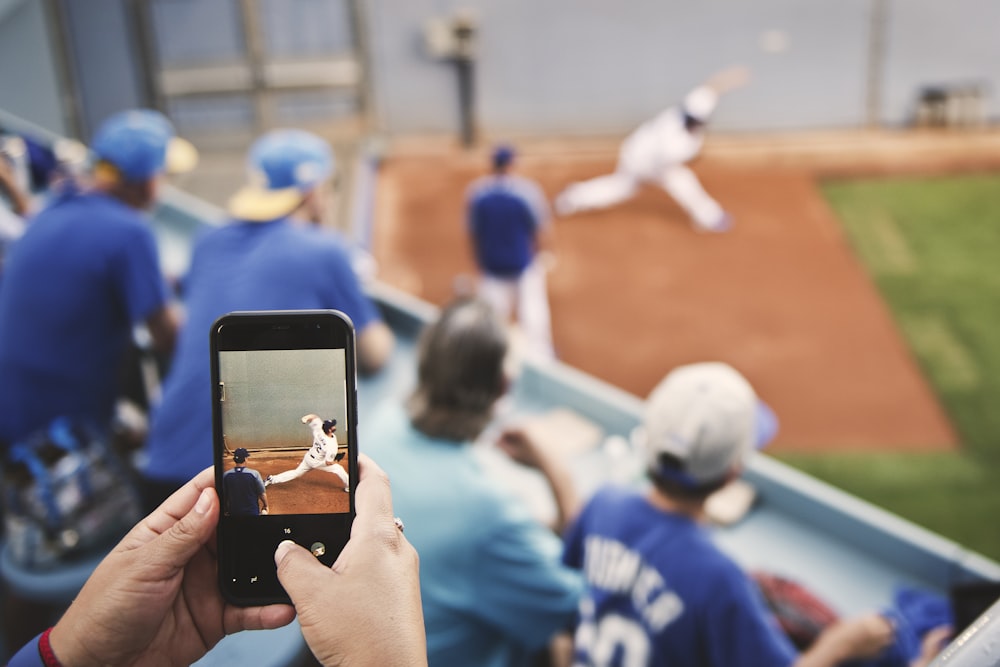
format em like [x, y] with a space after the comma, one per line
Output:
[284, 420]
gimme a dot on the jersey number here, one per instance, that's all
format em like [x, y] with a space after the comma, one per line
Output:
[614, 641]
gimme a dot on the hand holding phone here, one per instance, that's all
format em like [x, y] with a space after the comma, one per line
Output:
[284, 433]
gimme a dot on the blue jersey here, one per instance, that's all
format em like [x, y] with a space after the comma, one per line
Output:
[242, 488]
[84, 272]
[504, 216]
[659, 592]
[276, 265]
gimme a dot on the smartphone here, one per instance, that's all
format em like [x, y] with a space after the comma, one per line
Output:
[284, 420]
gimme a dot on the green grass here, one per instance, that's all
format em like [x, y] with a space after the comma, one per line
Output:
[932, 246]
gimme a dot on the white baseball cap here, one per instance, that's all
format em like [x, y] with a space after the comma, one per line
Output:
[707, 417]
[700, 103]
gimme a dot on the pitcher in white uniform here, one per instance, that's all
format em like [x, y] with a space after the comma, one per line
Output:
[657, 152]
[323, 455]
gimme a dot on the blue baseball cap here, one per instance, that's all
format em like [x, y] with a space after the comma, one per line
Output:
[141, 143]
[283, 166]
[240, 455]
[503, 155]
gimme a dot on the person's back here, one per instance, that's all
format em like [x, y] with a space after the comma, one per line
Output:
[492, 585]
[658, 591]
[663, 593]
[73, 285]
[503, 226]
[82, 275]
[241, 489]
[277, 264]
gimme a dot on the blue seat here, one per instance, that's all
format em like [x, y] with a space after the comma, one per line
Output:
[57, 586]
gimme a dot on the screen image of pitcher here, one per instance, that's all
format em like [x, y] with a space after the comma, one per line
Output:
[284, 423]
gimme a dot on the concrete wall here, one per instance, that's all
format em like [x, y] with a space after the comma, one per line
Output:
[267, 392]
[569, 67]
[29, 81]
[589, 67]
[103, 60]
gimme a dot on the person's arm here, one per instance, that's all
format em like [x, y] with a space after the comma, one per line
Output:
[155, 598]
[163, 325]
[521, 447]
[375, 345]
[728, 79]
[365, 610]
[9, 187]
[860, 637]
[262, 497]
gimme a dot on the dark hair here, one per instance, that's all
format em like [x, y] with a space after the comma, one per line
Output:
[691, 123]
[460, 372]
[328, 425]
[669, 479]
[503, 156]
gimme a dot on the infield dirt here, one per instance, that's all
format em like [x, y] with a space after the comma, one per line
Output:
[636, 291]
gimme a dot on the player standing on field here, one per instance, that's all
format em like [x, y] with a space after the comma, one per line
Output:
[323, 454]
[508, 222]
[243, 489]
[657, 153]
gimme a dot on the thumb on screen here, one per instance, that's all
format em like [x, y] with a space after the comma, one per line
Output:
[298, 571]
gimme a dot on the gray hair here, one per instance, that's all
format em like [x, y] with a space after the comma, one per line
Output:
[460, 373]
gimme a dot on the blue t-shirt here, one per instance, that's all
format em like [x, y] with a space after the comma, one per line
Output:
[241, 489]
[659, 592]
[491, 581]
[504, 216]
[84, 272]
[276, 265]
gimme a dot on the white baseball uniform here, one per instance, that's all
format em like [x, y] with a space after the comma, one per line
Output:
[656, 152]
[321, 456]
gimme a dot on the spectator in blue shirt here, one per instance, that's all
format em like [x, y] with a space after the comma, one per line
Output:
[271, 256]
[85, 272]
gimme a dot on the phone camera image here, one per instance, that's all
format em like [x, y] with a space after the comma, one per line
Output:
[284, 428]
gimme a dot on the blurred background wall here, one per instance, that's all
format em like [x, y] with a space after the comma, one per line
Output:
[226, 69]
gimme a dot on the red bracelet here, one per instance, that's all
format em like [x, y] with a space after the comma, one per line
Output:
[46, 652]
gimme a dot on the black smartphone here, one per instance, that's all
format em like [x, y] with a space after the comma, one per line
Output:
[284, 420]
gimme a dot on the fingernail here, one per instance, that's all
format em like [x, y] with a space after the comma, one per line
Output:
[204, 501]
[282, 549]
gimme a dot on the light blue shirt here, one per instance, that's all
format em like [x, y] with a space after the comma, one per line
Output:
[491, 579]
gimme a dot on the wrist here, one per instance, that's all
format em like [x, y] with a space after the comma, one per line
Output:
[55, 647]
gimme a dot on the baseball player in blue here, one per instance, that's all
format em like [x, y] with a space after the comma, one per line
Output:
[323, 454]
[242, 488]
[659, 592]
[508, 222]
[657, 153]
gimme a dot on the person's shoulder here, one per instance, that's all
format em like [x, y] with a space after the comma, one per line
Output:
[93, 205]
[316, 240]
[481, 187]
